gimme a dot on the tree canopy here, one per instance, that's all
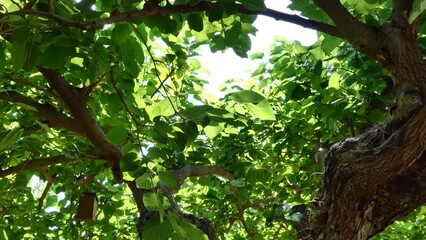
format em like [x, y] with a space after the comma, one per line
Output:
[106, 97]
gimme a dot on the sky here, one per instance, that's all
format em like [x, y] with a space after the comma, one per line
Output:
[227, 65]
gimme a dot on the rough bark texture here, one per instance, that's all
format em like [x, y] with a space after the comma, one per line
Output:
[377, 177]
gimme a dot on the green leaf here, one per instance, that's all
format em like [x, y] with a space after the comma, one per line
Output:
[247, 96]
[334, 81]
[154, 153]
[101, 57]
[254, 4]
[161, 108]
[11, 139]
[51, 200]
[215, 13]
[195, 22]
[156, 229]
[191, 131]
[262, 110]
[196, 113]
[152, 201]
[168, 179]
[56, 56]
[213, 129]
[163, 23]
[218, 43]
[184, 229]
[418, 7]
[22, 40]
[330, 43]
[238, 183]
[146, 181]
[178, 141]
[117, 135]
[129, 162]
[120, 33]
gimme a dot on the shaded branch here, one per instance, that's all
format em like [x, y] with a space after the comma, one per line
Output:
[78, 108]
[45, 111]
[37, 163]
[173, 9]
[198, 171]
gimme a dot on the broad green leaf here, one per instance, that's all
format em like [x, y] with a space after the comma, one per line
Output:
[120, 33]
[191, 131]
[129, 162]
[334, 81]
[238, 182]
[195, 22]
[213, 129]
[254, 4]
[56, 56]
[196, 113]
[191, 232]
[10, 139]
[22, 39]
[147, 181]
[117, 135]
[154, 153]
[178, 141]
[168, 179]
[101, 58]
[330, 43]
[418, 7]
[161, 108]
[152, 201]
[247, 96]
[155, 229]
[51, 200]
[261, 110]
[184, 229]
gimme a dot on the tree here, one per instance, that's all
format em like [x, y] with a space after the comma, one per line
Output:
[106, 97]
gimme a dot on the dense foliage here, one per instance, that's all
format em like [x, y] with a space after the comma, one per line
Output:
[135, 75]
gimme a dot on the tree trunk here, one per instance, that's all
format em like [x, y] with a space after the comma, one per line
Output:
[378, 177]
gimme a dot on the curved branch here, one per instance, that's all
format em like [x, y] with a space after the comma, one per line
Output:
[45, 111]
[198, 171]
[78, 108]
[360, 35]
[172, 9]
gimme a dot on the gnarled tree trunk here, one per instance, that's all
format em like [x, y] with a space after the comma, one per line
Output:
[377, 177]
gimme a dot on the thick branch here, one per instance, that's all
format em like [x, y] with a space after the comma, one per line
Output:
[79, 110]
[45, 111]
[37, 163]
[359, 34]
[172, 9]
